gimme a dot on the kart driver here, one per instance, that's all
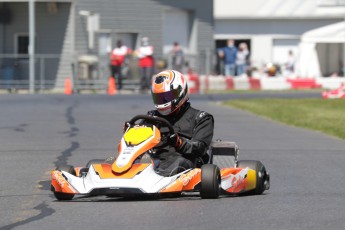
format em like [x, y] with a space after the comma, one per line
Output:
[193, 128]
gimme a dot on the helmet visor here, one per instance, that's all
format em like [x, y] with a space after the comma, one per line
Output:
[165, 97]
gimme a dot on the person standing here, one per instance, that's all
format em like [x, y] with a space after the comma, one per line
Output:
[117, 58]
[146, 63]
[242, 59]
[229, 55]
[177, 57]
[290, 63]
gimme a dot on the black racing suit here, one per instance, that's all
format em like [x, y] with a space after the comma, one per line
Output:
[195, 128]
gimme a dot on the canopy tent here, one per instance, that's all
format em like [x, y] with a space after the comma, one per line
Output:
[321, 51]
[334, 33]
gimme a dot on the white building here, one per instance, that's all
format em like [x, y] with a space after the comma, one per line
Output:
[273, 27]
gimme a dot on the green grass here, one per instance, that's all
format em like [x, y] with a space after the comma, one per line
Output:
[246, 91]
[327, 116]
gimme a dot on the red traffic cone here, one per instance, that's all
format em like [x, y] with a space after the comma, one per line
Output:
[68, 86]
[111, 86]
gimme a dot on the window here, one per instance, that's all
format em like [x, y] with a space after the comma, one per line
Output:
[128, 39]
[21, 44]
[281, 49]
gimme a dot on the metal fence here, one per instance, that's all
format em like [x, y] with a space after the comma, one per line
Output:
[14, 71]
[87, 72]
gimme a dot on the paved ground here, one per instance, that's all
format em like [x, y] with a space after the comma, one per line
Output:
[38, 132]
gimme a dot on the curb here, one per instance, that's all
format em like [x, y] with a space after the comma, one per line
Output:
[220, 82]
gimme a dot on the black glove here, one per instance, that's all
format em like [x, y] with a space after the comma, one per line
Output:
[174, 141]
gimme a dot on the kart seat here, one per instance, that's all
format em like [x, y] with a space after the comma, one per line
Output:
[223, 153]
[199, 161]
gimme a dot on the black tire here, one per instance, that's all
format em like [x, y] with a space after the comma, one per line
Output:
[210, 180]
[60, 195]
[94, 161]
[261, 175]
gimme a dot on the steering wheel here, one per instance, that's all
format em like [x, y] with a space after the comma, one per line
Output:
[159, 122]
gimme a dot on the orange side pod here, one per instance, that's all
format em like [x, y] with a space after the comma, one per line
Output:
[60, 184]
[185, 182]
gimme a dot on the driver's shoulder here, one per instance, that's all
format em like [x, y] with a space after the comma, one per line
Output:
[199, 115]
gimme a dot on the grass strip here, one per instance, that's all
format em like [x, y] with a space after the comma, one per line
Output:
[327, 116]
[250, 91]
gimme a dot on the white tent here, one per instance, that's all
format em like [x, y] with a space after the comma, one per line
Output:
[321, 51]
[334, 33]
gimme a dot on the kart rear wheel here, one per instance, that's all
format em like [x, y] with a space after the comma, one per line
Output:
[261, 175]
[210, 180]
[94, 161]
[60, 195]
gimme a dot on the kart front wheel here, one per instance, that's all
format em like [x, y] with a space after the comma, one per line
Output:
[60, 195]
[210, 180]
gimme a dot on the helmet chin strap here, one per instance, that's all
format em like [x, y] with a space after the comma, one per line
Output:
[174, 103]
[178, 110]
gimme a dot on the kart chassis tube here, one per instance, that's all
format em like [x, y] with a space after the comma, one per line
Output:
[154, 120]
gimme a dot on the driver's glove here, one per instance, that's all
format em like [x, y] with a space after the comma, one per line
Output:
[175, 141]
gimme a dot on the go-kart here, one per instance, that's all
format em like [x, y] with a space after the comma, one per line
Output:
[133, 173]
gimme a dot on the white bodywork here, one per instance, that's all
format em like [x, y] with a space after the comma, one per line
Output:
[147, 181]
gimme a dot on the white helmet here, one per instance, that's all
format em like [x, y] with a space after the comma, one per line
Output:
[169, 91]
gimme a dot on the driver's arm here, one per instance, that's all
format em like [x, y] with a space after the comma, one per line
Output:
[201, 138]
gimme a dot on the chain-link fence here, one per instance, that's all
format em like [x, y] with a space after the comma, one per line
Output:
[87, 72]
[14, 71]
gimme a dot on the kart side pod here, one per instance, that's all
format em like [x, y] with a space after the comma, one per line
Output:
[238, 177]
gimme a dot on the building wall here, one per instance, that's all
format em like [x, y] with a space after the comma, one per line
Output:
[272, 28]
[270, 39]
[145, 18]
[271, 9]
[50, 35]
[249, 27]
[65, 32]
[50, 28]
[124, 18]
[203, 12]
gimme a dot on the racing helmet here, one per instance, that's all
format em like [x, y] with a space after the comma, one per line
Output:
[169, 91]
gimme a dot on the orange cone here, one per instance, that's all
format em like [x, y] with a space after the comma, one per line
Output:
[111, 86]
[68, 87]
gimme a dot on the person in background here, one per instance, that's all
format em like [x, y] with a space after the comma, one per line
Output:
[117, 58]
[229, 55]
[177, 57]
[146, 63]
[290, 63]
[242, 59]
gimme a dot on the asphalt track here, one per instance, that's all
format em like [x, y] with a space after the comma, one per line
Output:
[38, 132]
